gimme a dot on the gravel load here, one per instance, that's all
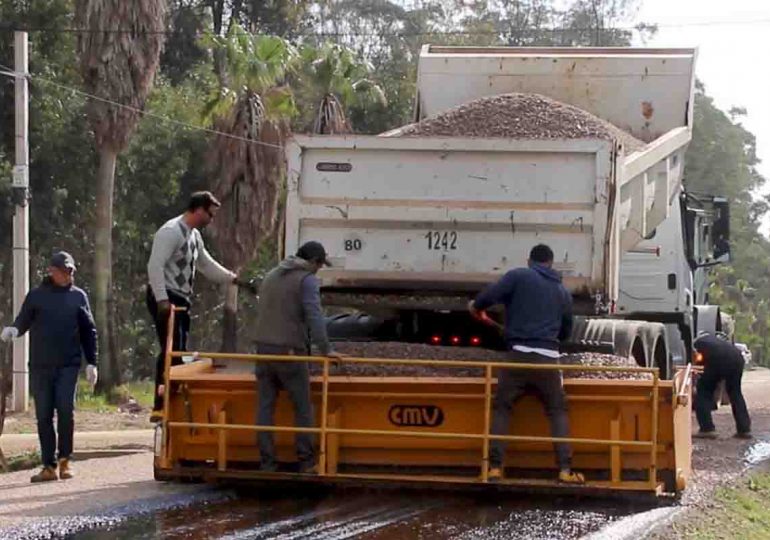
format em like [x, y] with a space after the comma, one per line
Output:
[520, 116]
[418, 351]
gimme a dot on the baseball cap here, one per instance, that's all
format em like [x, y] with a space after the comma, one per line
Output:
[313, 251]
[63, 260]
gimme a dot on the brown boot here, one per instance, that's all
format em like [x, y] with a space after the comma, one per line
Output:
[48, 474]
[65, 473]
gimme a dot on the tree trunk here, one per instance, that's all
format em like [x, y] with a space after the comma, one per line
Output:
[109, 373]
[230, 319]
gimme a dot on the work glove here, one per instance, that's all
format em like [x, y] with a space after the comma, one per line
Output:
[9, 333]
[92, 374]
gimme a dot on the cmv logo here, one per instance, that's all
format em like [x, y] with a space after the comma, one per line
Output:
[416, 415]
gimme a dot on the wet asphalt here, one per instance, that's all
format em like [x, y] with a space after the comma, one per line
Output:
[373, 515]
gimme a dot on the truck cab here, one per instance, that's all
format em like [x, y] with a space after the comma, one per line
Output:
[665, 277]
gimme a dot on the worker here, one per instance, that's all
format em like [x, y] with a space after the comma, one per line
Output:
[538, 315]
[58, 317]
[722, 361]
[289, 319]
[177, 253]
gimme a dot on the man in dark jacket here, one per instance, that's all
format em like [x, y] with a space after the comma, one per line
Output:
[58, 316]
[538, 315]
[722, 361]
[290, 317]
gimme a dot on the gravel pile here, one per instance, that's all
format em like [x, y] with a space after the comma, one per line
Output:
[520, 116]
[418, 351]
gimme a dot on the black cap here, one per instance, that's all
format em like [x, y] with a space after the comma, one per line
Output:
[313, 251]
[63, 260]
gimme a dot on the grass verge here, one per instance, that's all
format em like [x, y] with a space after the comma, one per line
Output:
[86, 400]
[22, 462]
[741, 511]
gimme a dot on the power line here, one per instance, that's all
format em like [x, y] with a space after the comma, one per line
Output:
[421, 33]
[5, 70]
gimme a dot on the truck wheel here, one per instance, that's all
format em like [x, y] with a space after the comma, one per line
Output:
[661, 359]
[352, 326]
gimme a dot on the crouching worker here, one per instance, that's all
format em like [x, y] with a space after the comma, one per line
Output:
[538, 315]
[289, 318]
[58, 316]
[722, 361]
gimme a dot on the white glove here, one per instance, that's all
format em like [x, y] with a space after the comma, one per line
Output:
[92, 374]
[9, 333]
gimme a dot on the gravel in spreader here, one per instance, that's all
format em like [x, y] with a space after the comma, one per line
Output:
[419, 351]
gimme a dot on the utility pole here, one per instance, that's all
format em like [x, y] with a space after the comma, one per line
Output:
[20, 191]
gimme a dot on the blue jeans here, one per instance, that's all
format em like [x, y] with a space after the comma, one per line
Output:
[54, 389]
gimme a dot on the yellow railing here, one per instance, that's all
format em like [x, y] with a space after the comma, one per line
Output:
[323, 430]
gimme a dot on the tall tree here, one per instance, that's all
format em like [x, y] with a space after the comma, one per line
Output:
[335, 79]
[119, 55]
[247, 161]
[722, 160]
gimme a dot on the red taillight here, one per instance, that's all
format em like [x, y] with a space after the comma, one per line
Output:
[455, 340]
[435, 340]
[475, 340]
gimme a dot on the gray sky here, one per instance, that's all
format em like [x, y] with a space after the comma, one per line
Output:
[732, 56]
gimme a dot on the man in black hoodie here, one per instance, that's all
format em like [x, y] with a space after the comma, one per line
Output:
[538, 315]
[58, 316]
[722, 361]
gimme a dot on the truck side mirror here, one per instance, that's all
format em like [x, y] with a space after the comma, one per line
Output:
[720, 230]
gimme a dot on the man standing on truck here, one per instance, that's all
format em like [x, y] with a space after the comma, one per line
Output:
[177, 252]
[289, 319]
[538, 315]
[58, 316]
[722, 361]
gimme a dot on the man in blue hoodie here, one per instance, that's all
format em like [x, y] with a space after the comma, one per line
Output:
[538, 315]
[58, 316]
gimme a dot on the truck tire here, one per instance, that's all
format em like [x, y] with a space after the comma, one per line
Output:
[645, 342]
[347, 326]
[624, 335]
[655, 340]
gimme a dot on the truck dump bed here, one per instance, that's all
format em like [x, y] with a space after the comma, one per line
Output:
[447, 213]
[453, 213]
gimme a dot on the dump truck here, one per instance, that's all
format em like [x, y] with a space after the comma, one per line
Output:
[417, 225]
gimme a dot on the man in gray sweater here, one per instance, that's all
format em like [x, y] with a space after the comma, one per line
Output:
[290, 317]
[177, 253]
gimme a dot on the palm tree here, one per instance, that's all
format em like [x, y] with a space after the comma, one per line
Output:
[119, 56]
[248, 160]
[342, 80]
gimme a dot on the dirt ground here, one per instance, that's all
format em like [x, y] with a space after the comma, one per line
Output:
[84, 421]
